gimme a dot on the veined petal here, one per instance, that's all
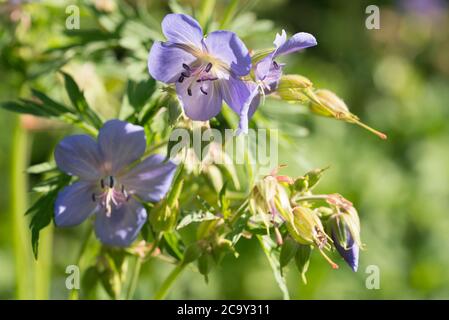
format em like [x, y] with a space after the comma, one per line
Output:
[201, 100]
[120, 143]
[235, 92]
[78, 155]
[249, 108]
[165, 61]
[75, 204]
[150, 179]
[123, 225]
[181, 28]
[295, 43]
[228, 47]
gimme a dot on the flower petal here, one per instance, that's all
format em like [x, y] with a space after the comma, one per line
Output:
[200, 106]
[249, 108]
[120, 143]
[74, 204]
[150, 179]
[351, 253]
[122, 227]
[181, 28]
[235, 92]
[78, 155]
[295, 43]
[228, 47]
[165, 61]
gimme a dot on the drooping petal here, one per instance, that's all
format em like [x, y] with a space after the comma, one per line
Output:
[122, 227]
[181, 28]
[165, 61]
[227, 47]
[78, 155]
[150, 179]
[235, 93]
[75, 204]
[249, 108]
[201, 100]
[295, 43]
[120, 143]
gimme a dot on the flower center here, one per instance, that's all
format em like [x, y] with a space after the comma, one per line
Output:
[199, 75]
[112, 193]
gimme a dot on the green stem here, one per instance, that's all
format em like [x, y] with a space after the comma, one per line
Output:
[229, 14]
[42, 276]
[21, 242]
[134, 278]
[169, 281]
[74, 293]
[317, 197]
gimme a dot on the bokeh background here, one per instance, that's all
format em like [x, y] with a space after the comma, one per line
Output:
[395, 78]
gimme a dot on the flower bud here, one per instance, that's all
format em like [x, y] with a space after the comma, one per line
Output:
[291, 88]
[344, 242]
[326, 103]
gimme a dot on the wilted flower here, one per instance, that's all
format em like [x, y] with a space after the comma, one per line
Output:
[206, 70]
[268, 72]
[269, 197]
[107, 185]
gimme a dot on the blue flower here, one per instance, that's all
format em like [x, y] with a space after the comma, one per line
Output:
[268, 72]
[205, 70]
[108, 186]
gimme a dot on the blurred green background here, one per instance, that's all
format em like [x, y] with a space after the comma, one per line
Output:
[395, 78]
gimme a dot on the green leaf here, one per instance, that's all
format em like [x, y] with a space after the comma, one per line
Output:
[288, 251]
[79, 102]
[59, 108]
[269, 248]
[139, 92]
[196, 216]
[302, 259]
[42, 212]
[172, 243]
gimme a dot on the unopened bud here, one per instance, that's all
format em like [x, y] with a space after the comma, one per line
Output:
[291, 88]
[344, 242]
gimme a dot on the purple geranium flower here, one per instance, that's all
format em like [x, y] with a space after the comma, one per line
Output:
[350, 251]
[206, 70]
[268, 72]
[107, 185]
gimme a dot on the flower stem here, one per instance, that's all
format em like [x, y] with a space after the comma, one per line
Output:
[311, 198]
[21, 241]
[74, 293]
[134, 278]
[169, 281]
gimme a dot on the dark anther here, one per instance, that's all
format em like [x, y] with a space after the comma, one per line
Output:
[123, 188]
[111, 182]
[181, 79]
[275, 64]
[102, 183]
[93, 197]
[189, 92]
[128, 197]
[208, 67]
[202, 91]
[186, 67]
[185, 74]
